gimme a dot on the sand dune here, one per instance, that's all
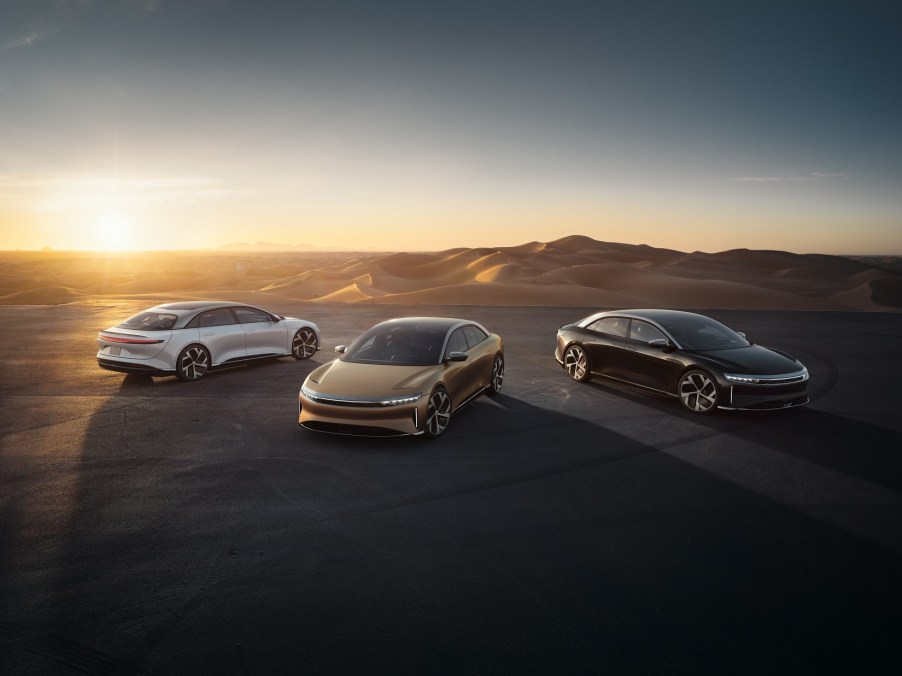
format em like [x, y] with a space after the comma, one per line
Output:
[572, 271]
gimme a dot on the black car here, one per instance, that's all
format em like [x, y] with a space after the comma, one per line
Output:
[701, 362]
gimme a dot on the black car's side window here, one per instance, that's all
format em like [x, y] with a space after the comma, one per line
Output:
[644, 332]
[456, 343]
[474, 335]
[612, 326]
[219, 317]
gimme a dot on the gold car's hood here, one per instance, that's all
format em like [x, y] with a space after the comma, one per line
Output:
[343, 378]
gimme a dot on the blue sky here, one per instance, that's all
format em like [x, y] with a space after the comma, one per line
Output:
[402, 125]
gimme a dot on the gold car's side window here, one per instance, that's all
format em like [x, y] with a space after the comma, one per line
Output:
[457, 342]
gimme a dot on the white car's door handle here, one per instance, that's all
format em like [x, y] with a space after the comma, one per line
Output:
[208, 334]
[250, 330]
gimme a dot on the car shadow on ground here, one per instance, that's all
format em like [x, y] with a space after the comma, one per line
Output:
[852, 447]
[218, 536]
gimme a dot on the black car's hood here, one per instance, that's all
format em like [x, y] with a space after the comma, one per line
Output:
[751, 360]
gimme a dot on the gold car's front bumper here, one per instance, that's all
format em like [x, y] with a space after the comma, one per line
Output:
[359, 416]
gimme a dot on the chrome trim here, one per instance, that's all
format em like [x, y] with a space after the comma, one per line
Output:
[776, 407]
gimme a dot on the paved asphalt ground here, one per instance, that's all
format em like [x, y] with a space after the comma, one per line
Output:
[154, 526]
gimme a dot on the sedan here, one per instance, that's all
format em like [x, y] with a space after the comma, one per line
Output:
[188, 339]
[697, 360]
[403, 376]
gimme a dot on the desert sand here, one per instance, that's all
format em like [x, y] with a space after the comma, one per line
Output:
[572, 271]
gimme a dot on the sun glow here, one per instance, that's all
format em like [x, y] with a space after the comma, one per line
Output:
[113, 232]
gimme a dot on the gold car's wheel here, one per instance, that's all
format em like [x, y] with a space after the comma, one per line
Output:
[304, 344]
[497, 375]
[438, 412]
[576, 361]
[698, 392]
[193, 363]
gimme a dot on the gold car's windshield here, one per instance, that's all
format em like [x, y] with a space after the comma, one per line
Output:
[407, 344]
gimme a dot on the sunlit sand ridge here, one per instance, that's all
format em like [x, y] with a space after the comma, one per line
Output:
[573, 271]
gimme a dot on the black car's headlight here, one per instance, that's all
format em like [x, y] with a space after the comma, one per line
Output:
[743, 380]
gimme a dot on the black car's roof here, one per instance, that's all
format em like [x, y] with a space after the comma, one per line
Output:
[656, 315]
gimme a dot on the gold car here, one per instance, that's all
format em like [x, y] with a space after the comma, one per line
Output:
[403, 376]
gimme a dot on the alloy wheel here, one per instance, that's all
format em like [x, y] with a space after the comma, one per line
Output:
[577, 363]
[438, 413]
[303, 346]
[194, 361]
[698, 392]
[497, 375]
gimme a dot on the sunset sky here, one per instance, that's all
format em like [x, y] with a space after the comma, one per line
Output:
[164, 124]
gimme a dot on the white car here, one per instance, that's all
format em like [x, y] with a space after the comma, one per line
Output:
[188, 339]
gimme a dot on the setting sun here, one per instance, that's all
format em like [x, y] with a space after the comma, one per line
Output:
[112, 232]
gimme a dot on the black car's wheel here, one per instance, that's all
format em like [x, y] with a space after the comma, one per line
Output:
[576, 361]
[438, 412]
[303, 345]
[497, 375]
[698, 392]
[193, 363]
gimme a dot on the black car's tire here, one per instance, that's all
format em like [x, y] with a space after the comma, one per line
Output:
[497, 377]
[576, 361]
[438, 413]
[697, 391]
[304, 344]
[193, 363]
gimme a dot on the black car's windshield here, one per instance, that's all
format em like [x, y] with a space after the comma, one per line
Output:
[695, 332]
[149, 321]
[407, 344]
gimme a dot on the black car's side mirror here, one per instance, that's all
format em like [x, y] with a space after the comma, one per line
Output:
[658, 342]
[457, 356]
[341, 349]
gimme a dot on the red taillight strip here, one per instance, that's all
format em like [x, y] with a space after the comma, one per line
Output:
[139, 341]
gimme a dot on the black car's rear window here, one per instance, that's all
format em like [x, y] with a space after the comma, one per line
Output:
[149, 321]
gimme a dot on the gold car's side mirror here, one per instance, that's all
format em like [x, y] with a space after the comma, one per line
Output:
[457, 356]
[341, 349]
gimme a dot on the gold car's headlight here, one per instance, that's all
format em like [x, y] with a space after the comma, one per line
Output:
[400, 401]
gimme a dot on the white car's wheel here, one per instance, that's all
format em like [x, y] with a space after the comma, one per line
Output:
[304, 344]
[193, 363]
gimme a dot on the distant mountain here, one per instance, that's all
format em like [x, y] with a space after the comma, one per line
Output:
[265, 246]
[574, 271]
[581, 271]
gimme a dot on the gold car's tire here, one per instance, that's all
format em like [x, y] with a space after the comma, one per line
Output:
[438, 413]
[193, 363]
[698, 392]
[304, 344]
[497, 377]
[576, 362]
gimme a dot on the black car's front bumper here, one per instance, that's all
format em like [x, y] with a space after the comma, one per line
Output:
[763, 397]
